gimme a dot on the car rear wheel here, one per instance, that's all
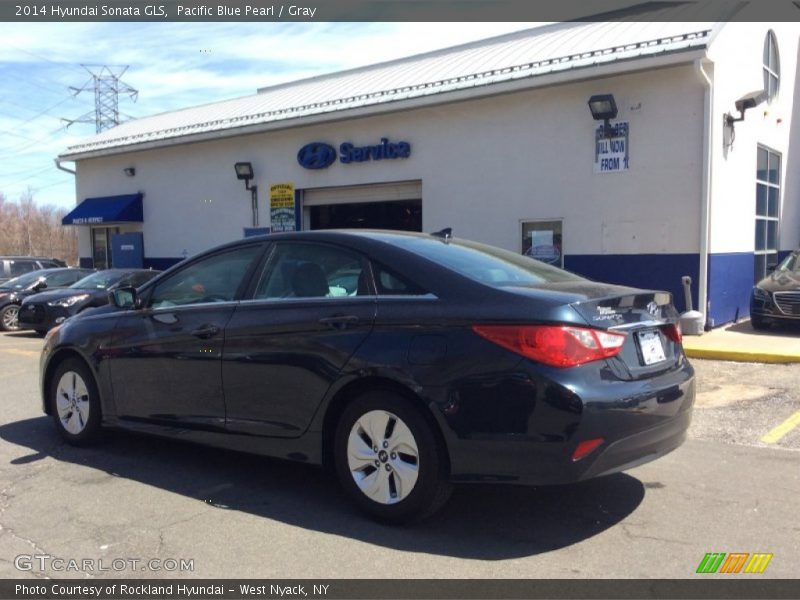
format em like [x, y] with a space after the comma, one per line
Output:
[758, 323]
[75, 403]
[388, 460]
[9, 318]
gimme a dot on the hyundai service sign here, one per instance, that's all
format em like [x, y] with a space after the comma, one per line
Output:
[319, 155]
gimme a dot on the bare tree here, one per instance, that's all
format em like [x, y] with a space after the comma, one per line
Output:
[28, 229]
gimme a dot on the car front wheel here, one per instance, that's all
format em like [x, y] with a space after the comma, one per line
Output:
[388, 460]
[75, 403]
[9, 318]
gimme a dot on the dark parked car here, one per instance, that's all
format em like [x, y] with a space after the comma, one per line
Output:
[47, 309]
[442, 361]
[14, 266]
[776, 298]
[13, 291]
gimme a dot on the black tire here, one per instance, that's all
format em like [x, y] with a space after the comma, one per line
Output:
[79, 421]
[8, 316]
[431, 488]
[758, 323]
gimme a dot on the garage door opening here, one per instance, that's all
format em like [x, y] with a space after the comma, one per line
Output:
[402, 215]
[391, 205]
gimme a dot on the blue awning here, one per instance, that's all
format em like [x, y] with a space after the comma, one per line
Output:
[109, 209]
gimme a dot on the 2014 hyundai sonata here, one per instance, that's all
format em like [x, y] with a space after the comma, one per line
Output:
[405, 362]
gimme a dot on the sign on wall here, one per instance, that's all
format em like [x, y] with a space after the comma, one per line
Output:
[611, 148]
[319, 155]
[281, 207]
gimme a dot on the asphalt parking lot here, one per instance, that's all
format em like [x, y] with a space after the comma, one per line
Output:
[232, 515]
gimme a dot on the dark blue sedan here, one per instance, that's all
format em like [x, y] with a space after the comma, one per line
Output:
[403, 362]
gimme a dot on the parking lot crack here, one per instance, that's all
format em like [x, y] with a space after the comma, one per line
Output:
[633, 536]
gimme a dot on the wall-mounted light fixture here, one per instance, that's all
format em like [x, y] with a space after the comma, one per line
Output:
[750, 100]
[244, 170]
[129, 171]
[603, 108]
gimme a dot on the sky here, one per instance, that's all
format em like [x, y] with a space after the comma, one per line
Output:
[172, 65]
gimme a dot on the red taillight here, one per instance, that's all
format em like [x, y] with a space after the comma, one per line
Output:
[585, 448]
[673, 332]
[554, 345]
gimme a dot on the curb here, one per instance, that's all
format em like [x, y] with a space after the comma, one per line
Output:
[741, 355]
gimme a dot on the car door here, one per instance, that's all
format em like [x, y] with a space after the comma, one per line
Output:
[165, 357]
[310, 309]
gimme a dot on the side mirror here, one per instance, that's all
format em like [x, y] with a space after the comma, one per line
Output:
[124, 297]
[39, 285]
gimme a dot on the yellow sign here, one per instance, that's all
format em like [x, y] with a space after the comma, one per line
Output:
[281, 207]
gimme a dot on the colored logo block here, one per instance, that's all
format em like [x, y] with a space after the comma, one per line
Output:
[734, 562]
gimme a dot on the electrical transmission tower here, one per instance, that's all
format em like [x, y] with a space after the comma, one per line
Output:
[107, 87]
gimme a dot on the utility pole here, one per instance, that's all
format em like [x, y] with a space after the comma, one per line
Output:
[107, 87]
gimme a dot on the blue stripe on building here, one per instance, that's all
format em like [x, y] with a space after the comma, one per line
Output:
[730, 279]
[651, 271]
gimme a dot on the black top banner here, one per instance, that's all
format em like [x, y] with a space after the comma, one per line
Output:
[397, 10]
[397, 589]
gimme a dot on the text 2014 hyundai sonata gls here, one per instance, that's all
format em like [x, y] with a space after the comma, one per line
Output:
[405, 362]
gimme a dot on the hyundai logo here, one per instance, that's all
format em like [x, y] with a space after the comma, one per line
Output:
[654, 309]
[316, 155]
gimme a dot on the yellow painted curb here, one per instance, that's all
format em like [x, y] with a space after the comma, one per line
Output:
[741, 355]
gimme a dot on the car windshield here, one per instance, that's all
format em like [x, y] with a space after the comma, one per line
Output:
[102, 280]
[486, 264]
[23, 281]
[791, 263]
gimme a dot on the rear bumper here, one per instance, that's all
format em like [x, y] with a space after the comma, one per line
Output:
[639, 421]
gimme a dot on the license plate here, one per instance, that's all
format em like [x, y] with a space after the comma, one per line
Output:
[652, 348]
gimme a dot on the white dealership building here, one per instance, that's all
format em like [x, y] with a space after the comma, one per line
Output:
[495, 139]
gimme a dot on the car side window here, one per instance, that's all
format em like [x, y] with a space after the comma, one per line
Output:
[215, 278]
[390, 283]
[299, 270]
[20, 267]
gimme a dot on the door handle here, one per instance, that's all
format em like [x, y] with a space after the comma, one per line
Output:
[339, 321]
[206, 331]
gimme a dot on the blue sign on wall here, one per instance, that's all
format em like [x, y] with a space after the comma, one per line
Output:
[319, 155]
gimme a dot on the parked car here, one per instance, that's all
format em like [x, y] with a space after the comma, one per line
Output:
[47, 309]
[448, 361]
[13, 291]
[14, 266]
[776, 298]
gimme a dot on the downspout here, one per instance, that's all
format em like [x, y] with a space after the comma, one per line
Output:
[65, 169]
[705, 201]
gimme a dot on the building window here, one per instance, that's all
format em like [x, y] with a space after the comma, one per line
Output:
[542, 240]
[768, 202]
[772, 66]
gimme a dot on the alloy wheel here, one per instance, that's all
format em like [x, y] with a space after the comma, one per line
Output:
[11, 318]
[72, 402]
[383, 457]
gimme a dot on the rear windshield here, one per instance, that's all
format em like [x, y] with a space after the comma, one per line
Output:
[487, 264]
